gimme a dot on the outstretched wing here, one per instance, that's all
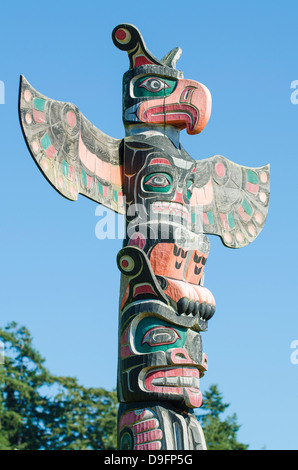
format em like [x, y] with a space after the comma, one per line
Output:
[72, 154]
[230, 200]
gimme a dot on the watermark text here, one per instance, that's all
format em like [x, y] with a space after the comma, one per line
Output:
[2, 92]
[141, 220]
[294, 95]
[294, 355]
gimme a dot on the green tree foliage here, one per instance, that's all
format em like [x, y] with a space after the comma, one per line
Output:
[41, 411]
[220, 434]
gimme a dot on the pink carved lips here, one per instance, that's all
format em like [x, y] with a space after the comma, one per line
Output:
[182, 115]
[183, 381]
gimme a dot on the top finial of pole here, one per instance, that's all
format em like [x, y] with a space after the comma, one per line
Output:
[128, 38]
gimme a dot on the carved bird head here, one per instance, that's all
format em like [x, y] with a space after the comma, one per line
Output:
[154, 92]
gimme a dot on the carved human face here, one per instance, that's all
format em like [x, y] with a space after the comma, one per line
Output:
[162, 191]
[165, 185]
[159, 359]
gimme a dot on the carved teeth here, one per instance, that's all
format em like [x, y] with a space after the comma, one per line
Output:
[158, 382]
[196, 382]
[172, 208]
[192, 382]
[172, 381]
[187, 381]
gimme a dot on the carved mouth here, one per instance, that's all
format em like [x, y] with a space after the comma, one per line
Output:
[182, 381]
[170, 208]
[173, 379]
[177, 114]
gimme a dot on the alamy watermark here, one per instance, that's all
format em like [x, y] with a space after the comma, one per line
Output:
[294, 355]
[166, 213]
[110, 226]
[294, 95]
[2, 92]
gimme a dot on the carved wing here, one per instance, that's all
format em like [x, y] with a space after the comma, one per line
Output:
[230, 200]
[71, 153]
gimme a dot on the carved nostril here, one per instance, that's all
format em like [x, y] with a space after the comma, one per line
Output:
[186, 94]
[179, 356]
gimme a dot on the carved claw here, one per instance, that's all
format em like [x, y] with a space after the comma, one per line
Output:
[190, 299]
[194, 308]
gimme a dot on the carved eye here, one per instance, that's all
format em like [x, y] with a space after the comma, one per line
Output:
[153, 84]
[157, 182]
[159, 335]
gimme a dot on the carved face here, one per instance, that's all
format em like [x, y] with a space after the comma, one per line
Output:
[160, 359]
[165, 183]
[162, 190]
[159, 99]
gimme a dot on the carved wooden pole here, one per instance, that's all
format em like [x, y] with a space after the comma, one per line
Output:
[170, 202]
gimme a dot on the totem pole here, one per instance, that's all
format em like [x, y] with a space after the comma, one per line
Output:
[170, 202]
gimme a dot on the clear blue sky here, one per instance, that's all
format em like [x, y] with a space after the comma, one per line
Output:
[62, 282]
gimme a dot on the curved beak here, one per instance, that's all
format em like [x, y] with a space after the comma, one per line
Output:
[189, 106]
